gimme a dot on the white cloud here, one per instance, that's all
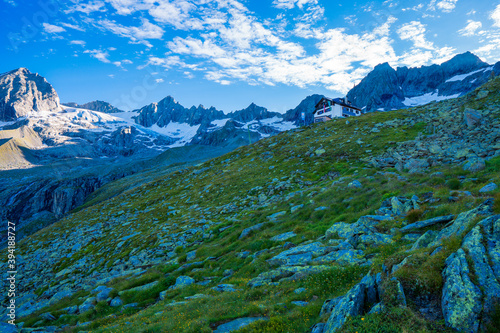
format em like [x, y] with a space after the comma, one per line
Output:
[77, 42]
[252, 59]
[86, 8]
[10, 2]
[289, 4]
[72, 26]
[446, 6]
[415, 8]
[136, 34]
[495, 16]
[159, 80]
[471, 28]
[126, 61]
[52, 29]
[99, 55]
[415, 31]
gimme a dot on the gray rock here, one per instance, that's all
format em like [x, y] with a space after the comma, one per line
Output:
[59, 296]
[102, 293]
[8, 328]
[299, 290]
[295, 208]
[130, 305]
[225, 288]
[377, 308]
[191, 255]
[474, 245]
[274, 217]
[87, 305]
[472, 117]
[424, 240]
[139, 288]
[462, 222]
[182, 281]
[237, 324]
[115, 302]
[72, 309]
[300, 303]
[342, 257]
[47, 316]
[427, 223]
[355, 183]
[415, 165]
[461, 299]
[318, 328]
[30, 307]
[329, 305]
[299, 255]
[284, 236]
[488, 188]
[251, 229]
[350, 305]
[474, 164]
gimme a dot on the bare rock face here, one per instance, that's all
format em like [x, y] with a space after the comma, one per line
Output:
[22, 92]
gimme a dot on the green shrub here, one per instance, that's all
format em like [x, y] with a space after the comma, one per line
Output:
[414, 215]
[454, 184]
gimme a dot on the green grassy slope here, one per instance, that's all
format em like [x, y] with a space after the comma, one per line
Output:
[302, 175]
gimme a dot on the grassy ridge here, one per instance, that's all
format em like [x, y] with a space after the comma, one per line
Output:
[307, 169]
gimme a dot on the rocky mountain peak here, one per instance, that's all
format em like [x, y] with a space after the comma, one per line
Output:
[463, 63]
[22, 92]
[99, 106]
[386, 88]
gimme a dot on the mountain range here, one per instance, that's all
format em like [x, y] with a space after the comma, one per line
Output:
[386, 88]
[388, 222]
[66, 147]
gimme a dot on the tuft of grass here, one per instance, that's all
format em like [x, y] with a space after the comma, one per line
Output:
[454, 184]
[414, 215]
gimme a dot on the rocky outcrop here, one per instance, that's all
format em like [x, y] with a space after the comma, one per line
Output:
[386, 88]
[39, 203]
[23, 92]
[471, 278]
[470, 141]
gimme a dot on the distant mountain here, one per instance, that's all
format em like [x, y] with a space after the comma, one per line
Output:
[100, 106]
[23, 92]
[198, 125]
[387, 89]
[307, 107]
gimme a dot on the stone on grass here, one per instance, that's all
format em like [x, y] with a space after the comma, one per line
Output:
[284, 237]
[355, 183]
[427, 223]
[237, 324]
[116, 302]
[246, 232]
[224, 288]
[59, 296]
[182, 281]
[488, 188]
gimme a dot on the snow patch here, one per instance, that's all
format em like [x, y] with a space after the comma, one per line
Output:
[427, 98]
[462, 77]
[181, 131]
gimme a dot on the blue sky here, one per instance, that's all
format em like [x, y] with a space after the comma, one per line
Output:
[229, 53]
